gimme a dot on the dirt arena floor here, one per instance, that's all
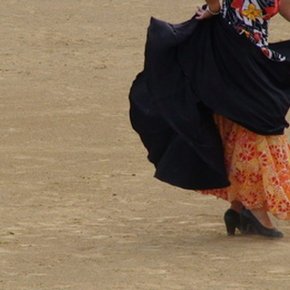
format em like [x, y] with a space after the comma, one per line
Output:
[79, 208]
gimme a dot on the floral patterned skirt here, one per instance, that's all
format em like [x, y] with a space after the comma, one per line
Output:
[258, 168]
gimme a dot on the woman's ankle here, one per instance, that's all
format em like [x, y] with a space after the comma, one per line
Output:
[236, 206]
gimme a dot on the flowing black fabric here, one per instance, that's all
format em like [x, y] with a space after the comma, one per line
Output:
[191, 71]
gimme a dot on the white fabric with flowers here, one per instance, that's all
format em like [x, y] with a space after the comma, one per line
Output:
[250, 18]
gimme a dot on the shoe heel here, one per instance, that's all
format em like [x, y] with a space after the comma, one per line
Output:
[230, 226]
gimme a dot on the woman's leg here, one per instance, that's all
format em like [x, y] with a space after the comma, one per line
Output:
[237, 206]
[259, 172]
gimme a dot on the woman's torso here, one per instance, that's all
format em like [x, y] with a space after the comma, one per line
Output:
[250, 18]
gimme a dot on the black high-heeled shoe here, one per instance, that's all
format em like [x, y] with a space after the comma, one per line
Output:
[232, 221]
[250, 224]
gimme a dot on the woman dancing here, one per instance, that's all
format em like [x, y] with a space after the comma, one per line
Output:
[210, 108]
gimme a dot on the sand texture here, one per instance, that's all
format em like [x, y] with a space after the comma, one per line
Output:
[79, 209]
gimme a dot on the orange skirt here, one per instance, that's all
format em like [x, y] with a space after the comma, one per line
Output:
[258, 169]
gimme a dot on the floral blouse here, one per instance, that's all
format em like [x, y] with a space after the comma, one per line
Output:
[251, 18]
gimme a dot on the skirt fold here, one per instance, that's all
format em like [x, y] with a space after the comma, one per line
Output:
[192, 71]
[258, 168]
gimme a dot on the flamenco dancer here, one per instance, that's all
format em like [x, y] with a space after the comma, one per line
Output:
[210, 108]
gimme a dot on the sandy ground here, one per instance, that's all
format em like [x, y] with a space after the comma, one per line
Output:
[79, 208]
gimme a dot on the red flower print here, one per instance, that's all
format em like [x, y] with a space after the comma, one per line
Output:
[263, 158]
[255, 177]
[248, 152]
[275, 180]
[231, 138]
[279, 154]
[251, 199]
[240, 176]
[284, 177]
[271, 200]
[284, 206]
[219, 193]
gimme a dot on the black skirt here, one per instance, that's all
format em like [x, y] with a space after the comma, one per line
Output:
[191, 71]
